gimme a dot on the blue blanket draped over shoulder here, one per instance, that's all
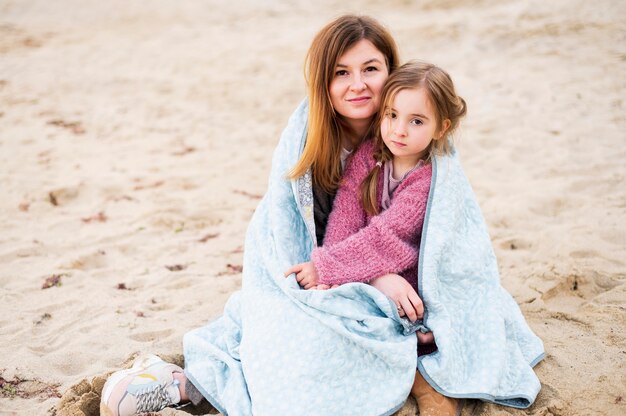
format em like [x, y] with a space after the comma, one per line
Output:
[280, 350]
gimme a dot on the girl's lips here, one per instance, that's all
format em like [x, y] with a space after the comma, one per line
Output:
[398, 143]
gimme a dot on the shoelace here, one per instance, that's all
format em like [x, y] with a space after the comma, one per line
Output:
[153, 400]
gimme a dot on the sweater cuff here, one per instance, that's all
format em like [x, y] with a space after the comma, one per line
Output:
[323, 277]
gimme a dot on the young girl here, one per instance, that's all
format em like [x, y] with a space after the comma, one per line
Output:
[376, 223]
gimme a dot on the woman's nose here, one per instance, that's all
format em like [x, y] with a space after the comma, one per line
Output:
[357, 83]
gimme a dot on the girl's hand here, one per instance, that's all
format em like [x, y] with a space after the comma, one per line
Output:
[402, 293]
[306, 275]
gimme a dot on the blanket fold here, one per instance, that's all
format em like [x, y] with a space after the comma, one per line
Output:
[280, 350]
[485, 348]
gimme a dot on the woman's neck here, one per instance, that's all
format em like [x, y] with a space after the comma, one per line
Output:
[355, 132]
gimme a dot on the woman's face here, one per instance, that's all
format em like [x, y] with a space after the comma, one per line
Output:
[358, 81]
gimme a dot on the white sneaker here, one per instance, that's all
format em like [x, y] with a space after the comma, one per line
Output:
[148, 386]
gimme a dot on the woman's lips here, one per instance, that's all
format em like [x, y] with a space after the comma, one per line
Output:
[359, 100]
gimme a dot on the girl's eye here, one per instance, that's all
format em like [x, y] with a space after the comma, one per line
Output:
[417, 122]
[341, 73]
[391, 115]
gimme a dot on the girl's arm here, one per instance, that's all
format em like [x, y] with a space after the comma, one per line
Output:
[346, 217]
[386, 245]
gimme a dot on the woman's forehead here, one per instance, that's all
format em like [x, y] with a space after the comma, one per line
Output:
[362, 52]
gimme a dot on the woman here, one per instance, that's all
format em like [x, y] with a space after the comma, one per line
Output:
[347, 65]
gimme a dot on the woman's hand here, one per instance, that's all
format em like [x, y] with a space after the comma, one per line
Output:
[402, 293]
[306, 275]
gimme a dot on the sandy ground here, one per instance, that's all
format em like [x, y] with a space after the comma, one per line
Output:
[135, 142]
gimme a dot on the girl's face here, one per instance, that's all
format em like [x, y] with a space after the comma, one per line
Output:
[358, 81]
[409, 125]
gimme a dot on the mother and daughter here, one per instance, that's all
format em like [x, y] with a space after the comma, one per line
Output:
[368, 210]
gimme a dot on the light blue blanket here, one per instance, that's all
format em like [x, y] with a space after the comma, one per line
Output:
[280, 350]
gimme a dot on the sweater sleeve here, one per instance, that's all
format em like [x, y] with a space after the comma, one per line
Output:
[347, 215]
[388, 244]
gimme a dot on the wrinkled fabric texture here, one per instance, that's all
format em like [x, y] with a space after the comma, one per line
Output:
[485, 348]
[281, 350]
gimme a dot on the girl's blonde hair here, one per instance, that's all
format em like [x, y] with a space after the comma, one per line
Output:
[325, 128]
[447, 105]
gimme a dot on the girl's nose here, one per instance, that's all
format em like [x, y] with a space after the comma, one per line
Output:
[399, 129]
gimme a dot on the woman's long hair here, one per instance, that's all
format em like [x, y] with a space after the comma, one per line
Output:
[446, 104]
[325, 129]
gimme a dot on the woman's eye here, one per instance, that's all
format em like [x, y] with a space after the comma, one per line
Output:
[371, 69]
[341, 73]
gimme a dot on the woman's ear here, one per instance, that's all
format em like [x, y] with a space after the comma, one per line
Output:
[444, 128]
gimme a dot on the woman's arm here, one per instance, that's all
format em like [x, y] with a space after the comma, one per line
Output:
[386, 245]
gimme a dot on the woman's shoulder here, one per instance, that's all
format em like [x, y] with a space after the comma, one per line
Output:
[366, 146]
[360, 162]
[365, 152]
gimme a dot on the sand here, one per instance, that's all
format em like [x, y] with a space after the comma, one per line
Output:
[136, 139]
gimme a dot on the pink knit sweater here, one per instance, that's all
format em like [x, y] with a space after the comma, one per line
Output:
[359, 247]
